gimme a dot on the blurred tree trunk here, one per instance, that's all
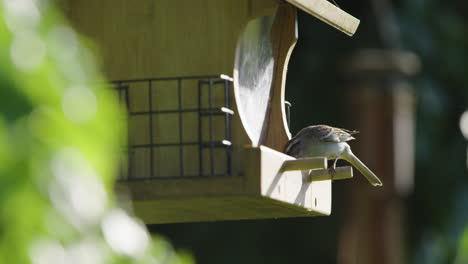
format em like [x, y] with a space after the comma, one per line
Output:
[381, 107]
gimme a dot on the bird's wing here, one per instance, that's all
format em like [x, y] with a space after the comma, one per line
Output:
[321, 133]
[292, 148]
[333, 134]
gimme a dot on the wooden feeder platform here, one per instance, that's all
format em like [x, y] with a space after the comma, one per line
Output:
[272, 185]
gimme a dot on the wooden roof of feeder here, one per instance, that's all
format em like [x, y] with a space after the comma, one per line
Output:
[252, 39]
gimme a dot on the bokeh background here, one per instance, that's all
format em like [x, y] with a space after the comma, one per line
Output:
[57, 119]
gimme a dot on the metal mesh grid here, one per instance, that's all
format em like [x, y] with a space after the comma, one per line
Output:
[162, 141]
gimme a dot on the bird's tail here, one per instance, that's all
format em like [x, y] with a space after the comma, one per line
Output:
[358, 164]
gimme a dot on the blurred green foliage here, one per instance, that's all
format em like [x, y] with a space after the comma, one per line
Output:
[59, 147]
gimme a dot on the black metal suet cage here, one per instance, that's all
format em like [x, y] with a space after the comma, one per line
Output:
[207, 115]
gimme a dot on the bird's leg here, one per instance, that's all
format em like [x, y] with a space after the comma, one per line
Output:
[332, 169]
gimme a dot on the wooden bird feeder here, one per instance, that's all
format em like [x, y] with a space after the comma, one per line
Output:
[204, 146]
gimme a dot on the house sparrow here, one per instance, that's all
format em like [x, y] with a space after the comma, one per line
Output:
[330, 142]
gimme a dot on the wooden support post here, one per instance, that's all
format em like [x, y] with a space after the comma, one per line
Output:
[275, 133]
[341, 173]
[304, 164]
[318, 169]
[375, 218]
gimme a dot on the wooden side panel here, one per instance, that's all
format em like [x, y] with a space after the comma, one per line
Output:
[292, 186]
[258, 8]
[283, 37]
[160, 38]
[163, 189]
[215, 209]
